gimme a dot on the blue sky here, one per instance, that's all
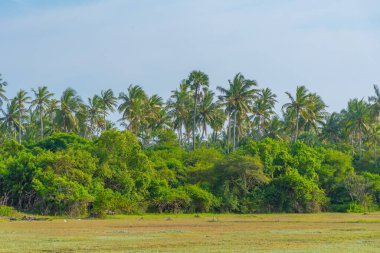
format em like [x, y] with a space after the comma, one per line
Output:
[331, 47]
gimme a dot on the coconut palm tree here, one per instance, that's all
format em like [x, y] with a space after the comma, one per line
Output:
[374, 135]
[375, 102]
[179, 105]
[275, 129]
[197, 80]
[237, 99]
[94, 111]
[263, 109]
[332, 128]
[356, 118]
[41, 102]
[132, 108]
[51, 113]
[68, 106]
[316, 113]
[22, 99]
[9, 121]
[108, 103]
[2, 91]
[152, 113]
[299, 104]
[208, 111]
[217, 123]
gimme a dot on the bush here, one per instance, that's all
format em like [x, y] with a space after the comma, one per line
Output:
[6, 211]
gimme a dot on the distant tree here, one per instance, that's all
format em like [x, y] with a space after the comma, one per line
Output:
[197, 80]
[108, 103]
[300, 105]
[68, 106]
[21, 99]
[41, 102]
[237, 99]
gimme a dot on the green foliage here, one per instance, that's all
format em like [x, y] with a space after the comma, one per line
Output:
[60, 141]
[6, 210]
[201, 200]
[236, 180]
[293, 193]
[65, 174]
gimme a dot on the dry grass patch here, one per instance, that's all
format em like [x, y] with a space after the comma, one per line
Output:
[325, 232]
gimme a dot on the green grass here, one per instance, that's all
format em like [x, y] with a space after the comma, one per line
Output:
[324, 232]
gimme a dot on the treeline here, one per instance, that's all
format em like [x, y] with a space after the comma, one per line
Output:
[196, 152]
[67, 174]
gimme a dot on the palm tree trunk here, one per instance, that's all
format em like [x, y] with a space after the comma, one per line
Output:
[360, 143]
[374, 153]
[297, 120]
[42, 125]
[258, 128]
[105, 122]
[195, 115]
[234, 133]
[229, 134]
[20, 126]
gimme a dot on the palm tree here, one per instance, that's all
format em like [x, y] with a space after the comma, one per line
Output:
[217, 123]
[375, 100]
[356, 119]
[197, 80]
[208, 111]
[2, 91]
[9, 122]
[179, 105]
[332, 128]
[374, 134]
[263, 109]
[41, 102]
[93, 111]
[108, 103]
[152, 113]
[275, 128]
[237, 99]
[22, 99]
[132, 107]
[316, 113]
[69, 104]
[299, 104]
[51, 113]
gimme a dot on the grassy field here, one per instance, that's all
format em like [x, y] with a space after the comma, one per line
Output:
[324, 232]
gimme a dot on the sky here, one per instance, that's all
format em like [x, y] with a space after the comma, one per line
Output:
[331, 47]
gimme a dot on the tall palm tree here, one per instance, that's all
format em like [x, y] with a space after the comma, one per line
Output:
[108, 103]
[9, 121]
[2, 91]
[357, 119]
[263, 109]
[208, 112]
[22, 99]
[299, 104]
[152, 113]
[275, 128]
[69, 104]
[132, 107]
[94, 110]
[179, 105]
[316, 113]
[375, 102]
[332, 128]
[237, 99]
[197, 80]
[374, 135]
[41, 102]
[51, 113]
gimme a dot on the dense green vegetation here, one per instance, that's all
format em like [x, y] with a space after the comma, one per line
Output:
[66, 157]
